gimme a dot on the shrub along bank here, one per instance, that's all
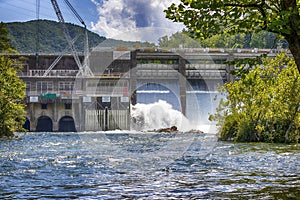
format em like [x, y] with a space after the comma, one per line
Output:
[263, 105]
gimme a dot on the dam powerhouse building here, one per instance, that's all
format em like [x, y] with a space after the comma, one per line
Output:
[59, 97]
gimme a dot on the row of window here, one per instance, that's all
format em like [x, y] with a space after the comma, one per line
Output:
[48, 86]
[93, 84]
[68, 106]
[190, 61]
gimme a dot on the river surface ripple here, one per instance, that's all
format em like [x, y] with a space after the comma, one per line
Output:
[145, 166]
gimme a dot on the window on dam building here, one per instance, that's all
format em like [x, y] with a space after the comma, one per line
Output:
[68, 106]
[44, 86]
[44, 106]
[108, 86]
[66, 87]
[28, 87]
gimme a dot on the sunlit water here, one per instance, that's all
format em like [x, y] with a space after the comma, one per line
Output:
[122, 165]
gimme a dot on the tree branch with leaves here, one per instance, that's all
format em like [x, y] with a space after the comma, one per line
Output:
[12, 90]
[206, 18]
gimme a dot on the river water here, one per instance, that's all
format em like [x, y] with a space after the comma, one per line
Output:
[133, 165]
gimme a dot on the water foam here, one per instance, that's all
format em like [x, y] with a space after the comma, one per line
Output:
[158, 115]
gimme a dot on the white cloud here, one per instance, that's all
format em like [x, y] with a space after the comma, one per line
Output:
[134, 20]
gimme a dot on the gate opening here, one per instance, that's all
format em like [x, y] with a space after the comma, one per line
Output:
[26, 125]
[66, 124]
[44, 124]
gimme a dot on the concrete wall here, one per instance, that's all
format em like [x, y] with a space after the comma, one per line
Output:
[54, 111]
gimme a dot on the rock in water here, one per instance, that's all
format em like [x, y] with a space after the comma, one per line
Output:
[194, 131]
[172, 129]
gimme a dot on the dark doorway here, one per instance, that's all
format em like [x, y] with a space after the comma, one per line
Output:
[44, 124]
[66, 124]
[26, 125]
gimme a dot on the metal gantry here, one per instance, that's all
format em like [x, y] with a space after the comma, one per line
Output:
[84, 69]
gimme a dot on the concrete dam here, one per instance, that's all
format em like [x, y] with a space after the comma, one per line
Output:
[58, 99]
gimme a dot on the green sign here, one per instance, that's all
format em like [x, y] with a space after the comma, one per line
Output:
[48, 96]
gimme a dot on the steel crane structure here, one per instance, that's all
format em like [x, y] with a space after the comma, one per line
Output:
[84, 69]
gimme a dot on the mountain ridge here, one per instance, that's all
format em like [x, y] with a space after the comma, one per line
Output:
[51, 39]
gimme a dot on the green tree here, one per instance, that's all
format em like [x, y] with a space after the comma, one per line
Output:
[177, 40]
[262, 40]
[224, 41]
[5, 45]
[210, 17]
[12, 90]
[263, 105]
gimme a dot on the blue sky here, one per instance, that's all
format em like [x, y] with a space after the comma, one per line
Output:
[25, 10]
[141, 20]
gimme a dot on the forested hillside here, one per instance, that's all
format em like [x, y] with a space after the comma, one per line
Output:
[262, 40]
[51, 39]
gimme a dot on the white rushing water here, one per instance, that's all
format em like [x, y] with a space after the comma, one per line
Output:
[158, 115]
